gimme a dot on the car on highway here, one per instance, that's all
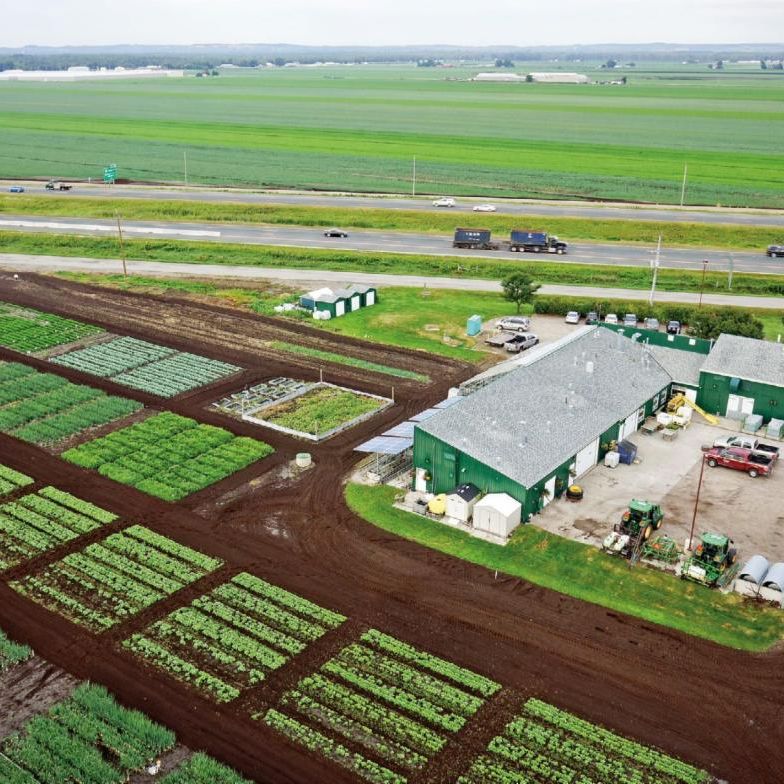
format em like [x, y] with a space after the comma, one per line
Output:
[611, 318]
[592, 317]
[673, 327]
[16, 189]
[521, 342]
[514, 324]
[572, 317]
[484, 208]
[775, 250]
[335, 233]
[651, 323]
[444, 201]
[630, 320]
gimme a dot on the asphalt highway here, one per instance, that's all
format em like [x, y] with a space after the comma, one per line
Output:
[556, 209]
[393, 242]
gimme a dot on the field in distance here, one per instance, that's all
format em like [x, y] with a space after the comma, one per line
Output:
[359, 128]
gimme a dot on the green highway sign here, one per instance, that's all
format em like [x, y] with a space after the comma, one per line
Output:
[110, 172]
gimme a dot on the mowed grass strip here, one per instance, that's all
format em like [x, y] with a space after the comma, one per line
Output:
[586, 573]
[674, 233]
[390, 263]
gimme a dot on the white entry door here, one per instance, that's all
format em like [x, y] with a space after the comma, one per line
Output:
[586, 458]
[628, 427]
[340, 308]
[355, 302]
[549, 491]
[370, 298]
[420, 482]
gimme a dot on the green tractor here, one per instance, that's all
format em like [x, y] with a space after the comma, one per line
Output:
[713, 563]
[637, 524]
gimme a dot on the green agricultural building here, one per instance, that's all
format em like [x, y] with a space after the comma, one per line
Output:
[338, 302]
[532, 431]
[743, 376]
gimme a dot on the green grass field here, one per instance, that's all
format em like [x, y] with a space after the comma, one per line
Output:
[359, 128]
[585, 573]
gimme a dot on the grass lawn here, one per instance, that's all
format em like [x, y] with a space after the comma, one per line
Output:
[585, 573]
[773, 323]
[709, 235]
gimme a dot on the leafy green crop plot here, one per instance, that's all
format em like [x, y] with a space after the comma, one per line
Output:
[39, 522]
[168, 456]
[43, 408]
[201, 769]
[86, 738]
[146, 366]
[113, 580]
[548, 744]
[233, 637]
[12, 653]
[11, 481]
[398, 704]
[29, 331]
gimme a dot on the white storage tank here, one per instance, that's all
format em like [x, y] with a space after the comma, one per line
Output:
[461, 501]
[498, 514]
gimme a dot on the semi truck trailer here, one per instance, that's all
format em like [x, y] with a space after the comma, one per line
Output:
[532, 241]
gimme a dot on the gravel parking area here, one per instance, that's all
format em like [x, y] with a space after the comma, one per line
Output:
[748, 510]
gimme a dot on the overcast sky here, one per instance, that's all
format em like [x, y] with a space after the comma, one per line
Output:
[373, 22]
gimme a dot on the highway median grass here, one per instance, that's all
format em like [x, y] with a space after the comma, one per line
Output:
[585, 573]
[552, 272]
[674, 233]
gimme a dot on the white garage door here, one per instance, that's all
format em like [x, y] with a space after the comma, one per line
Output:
[370, 298]
[340, 308]
[586, 458]
[355, 303]
[629, 426]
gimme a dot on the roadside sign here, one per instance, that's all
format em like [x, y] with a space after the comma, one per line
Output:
[110, 172]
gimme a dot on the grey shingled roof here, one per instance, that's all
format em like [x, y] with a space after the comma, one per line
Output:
[531, 420]
[683, 366]
[747, 358]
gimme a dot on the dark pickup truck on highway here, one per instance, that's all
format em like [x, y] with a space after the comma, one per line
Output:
[775, 250]
[753, 463]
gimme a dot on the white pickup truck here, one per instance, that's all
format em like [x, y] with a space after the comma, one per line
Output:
[746, 442]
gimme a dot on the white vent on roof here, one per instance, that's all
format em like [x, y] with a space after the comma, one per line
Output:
[589, 367]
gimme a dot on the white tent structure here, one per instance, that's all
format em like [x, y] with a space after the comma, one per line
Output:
[497, 514]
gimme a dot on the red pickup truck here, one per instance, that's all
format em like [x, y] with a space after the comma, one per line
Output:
[753, 463]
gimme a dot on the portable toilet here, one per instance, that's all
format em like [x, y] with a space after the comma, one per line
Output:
[474, 325]
[498, 514]
[461, 501]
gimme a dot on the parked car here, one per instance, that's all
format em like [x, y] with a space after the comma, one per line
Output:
[335, 233]
[630, 320]
[611, 318]
[673, 327]
[651, 323]
[753, 463]
[16, 189]
[521, 342]
[572, 317]
[775, 250]
[444, 201]
[484, 208]
[747, 442]
[514, 324]
[592, 317]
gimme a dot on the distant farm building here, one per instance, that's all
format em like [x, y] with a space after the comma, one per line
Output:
[492, 76]
[333, 303]
[559, 77]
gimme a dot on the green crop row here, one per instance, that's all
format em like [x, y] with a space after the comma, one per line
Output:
[29, 331]
[36, 523]
[145, 366]
[231, 638]
[11, 481]
[110, 581]
[201, 769]
[12, 652]
[87, 738]
[168, 456]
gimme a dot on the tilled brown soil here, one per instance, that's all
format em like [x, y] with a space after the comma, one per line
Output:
[718, 708]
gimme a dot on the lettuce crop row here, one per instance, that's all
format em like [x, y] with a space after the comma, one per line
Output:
[201, 769]
[36, 523]
[146, 366]
[113, 580]
[230, 638]
[168, 456]
[11, 481]
[11, 653]
[28, 331]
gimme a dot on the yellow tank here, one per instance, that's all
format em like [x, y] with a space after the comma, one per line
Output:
[437, 504]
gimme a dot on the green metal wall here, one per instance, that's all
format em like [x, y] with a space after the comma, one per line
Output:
[715, 390]
[657, 338]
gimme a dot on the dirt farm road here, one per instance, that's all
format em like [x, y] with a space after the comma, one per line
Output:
[28, 263]
[715, 707]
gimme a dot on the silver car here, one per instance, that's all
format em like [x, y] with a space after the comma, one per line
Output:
[514, 324]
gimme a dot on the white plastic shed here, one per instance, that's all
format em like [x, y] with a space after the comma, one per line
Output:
[461, 501]
[498, 514]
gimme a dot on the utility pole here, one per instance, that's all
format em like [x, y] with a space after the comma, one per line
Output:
[185, 164]
[655, 264]
[413, 179]
[729, 277]
[122, 245]
[696, 503]
[702, 281]
[683, 186]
